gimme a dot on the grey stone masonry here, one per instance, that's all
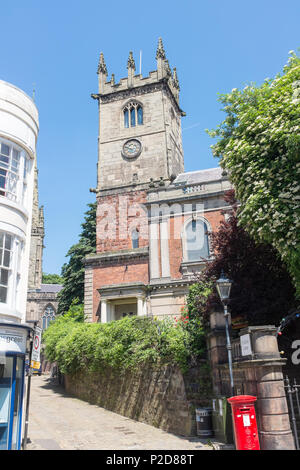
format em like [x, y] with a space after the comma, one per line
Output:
[158, 136]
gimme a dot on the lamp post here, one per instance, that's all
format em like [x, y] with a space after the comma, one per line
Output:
[223, 288]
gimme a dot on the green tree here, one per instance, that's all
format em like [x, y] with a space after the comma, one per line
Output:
[73, 271]
[259, 146]
[51, 279]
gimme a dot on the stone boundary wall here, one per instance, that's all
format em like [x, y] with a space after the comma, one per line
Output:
[161, 397]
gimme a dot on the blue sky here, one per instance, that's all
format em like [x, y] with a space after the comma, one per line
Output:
[54, 47]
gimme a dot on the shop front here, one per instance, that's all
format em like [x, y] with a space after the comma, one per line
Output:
[13, 345]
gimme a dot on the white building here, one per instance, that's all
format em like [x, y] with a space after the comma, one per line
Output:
[18, 136]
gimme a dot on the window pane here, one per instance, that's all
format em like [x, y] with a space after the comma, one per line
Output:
[4, 277]
[126, 118]
[6, 258]
[132, 117]
[4, 160]
[16, 154]
[5, 149]
[8, 242]
[197, 240]
[135, 239]
[3, 294]
[140, 115]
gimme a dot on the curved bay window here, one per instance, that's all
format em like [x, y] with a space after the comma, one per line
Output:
[133, 114]
[49, 315]
[5, 264]
[196, 240]
[14, 166]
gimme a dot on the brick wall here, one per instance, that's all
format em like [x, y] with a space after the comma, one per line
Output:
[114, 229]
[133, 270]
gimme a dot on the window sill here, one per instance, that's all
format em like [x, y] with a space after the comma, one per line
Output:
[190, 268]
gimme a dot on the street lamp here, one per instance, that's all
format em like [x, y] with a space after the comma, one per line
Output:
[223, 288]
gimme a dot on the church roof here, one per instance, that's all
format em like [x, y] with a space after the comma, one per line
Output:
[53, 288]
[199, 176]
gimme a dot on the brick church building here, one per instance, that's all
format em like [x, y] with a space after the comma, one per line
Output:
[152, 217]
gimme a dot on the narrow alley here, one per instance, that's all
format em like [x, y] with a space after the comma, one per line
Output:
[58, 421]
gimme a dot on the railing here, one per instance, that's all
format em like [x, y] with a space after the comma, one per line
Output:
[194, 188]
[293, 392]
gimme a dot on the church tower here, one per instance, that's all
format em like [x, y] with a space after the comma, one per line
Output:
[152, 218]
[139, 125]
[139, 146]
[37, 239]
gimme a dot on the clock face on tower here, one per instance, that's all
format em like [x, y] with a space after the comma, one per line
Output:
[132, 148]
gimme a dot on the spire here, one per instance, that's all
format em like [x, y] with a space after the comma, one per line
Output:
[131, 69]
[161, 61]
[130, 62]
[160, 52]
[168, 69]
[175, 79]
[102, 66]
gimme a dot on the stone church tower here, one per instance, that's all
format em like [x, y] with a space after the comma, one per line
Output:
[139, 126]
[41, 298]
[141, 266]
[37, 239]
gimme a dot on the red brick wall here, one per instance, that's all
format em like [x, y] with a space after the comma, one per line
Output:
[133, 270]
[116, 216]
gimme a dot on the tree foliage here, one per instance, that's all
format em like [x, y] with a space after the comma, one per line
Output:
[73, 271]
[259, 145]
[129, 343]
[262, 290]
[51, 279]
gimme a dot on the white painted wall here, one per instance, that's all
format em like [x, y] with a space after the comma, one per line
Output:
[19, 126]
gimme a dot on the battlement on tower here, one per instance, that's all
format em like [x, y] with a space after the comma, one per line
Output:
[162, 74]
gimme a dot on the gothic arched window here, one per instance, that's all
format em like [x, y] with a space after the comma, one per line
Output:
[135, 238]
[196, 240]
[48, 316]
[133, 114]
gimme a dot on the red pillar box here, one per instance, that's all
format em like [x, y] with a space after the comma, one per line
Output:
[244, 422]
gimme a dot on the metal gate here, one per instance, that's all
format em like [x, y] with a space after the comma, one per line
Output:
[293, 397]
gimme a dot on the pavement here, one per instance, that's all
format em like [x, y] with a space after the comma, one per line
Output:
[58, 421]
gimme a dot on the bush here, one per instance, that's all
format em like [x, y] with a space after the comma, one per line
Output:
[124, 344]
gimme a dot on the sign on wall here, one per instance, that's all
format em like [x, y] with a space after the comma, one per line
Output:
[12, 339]
[246, 348]
[36, 348]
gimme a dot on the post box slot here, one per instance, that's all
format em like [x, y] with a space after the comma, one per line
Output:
[245, 410]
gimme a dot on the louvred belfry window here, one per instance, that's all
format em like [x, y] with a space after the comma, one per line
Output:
[133, 114]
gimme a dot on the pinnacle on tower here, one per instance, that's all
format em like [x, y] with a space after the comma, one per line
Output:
[160, 52]
[175, 79]
[168, 69]
[130, 62]
[102, 66]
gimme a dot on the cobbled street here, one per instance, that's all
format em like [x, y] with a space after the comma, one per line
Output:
[58, 421]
